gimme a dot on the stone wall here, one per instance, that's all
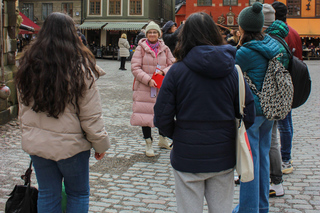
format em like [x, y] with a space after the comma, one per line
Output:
[9, 106]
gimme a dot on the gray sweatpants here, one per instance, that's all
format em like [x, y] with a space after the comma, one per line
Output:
[275, 157]
[216, 187]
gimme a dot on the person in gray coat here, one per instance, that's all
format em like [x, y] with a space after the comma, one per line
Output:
[124, 50]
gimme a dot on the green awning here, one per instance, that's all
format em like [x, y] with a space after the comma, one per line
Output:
[125, 25]
[92, 25]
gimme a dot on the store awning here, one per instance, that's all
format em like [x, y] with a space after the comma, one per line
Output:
[125, 25]
[90, 25]
[26, 21]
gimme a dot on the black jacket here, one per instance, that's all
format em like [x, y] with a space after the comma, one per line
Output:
[197, 106]
[170, 39]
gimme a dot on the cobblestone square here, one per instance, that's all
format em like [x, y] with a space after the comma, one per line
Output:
[128, 181]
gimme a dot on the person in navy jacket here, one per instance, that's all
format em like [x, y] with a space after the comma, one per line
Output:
[196, 107]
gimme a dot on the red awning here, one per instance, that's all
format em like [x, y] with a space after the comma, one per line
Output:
[28, 22]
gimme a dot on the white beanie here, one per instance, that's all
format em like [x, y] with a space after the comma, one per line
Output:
[269, 15]
[153, 26]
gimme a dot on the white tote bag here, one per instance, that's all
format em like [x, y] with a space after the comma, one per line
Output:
[244, 165]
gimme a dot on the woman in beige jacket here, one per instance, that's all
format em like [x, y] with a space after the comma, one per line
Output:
[124, 50]
[60, 113]
[150, 55]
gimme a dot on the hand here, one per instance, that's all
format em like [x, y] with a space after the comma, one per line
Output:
[99, 156]
[159, 73]
[152, 83]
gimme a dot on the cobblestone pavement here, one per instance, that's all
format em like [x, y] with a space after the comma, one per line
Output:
[127, 181]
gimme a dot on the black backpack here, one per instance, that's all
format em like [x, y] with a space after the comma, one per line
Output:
[300, 77]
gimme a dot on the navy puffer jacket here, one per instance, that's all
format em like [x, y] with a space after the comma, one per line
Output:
[196, 107]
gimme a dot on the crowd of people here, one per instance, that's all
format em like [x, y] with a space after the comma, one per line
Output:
[193, 105]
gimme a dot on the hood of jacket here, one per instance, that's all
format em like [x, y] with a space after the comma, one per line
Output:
[211, 61]
[168, 26]
[278, 28]
[268, 47]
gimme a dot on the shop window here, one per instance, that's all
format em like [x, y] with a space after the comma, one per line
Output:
[230, 2]
[27, 10]
[253, 1]
[94, 7]
[135, 7]
[67, 8]
[114, 7]
[318, 8]
[294, 7]
[204, 2]
[46, 10]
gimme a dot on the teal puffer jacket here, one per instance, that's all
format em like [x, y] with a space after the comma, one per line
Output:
[253, 57]
[280, 29]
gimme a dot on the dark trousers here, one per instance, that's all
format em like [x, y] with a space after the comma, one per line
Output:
[123, 61]
[147, 132]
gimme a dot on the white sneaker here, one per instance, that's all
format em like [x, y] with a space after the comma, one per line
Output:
[287, 167]
[163, 142]
[276, 190]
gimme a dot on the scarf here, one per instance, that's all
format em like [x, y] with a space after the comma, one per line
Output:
[154, 47]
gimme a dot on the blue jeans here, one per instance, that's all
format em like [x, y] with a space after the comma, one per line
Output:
[254, 195]
[74, 171]
[286, 133]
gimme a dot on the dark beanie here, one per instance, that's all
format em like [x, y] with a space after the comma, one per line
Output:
[251, 18]
[281, 10]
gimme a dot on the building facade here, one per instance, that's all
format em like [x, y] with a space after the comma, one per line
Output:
[303, 15]
[105, 20]
[38, 10]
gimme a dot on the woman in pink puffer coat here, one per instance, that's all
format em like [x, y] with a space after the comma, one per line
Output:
[150, 54]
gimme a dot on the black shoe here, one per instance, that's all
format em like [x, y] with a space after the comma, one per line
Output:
[120, 68]
[124, 69]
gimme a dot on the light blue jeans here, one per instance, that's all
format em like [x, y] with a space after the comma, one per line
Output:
[75, 171]
[254, 195]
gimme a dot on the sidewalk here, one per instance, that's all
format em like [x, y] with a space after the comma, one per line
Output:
[127, 181]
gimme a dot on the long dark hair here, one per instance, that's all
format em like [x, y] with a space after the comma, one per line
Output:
[249, 36]
[199, 29]
[53, 68]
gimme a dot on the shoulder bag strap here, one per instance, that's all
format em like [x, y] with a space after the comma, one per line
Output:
[242, 94]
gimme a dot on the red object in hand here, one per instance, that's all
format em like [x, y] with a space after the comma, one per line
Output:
[158, 79]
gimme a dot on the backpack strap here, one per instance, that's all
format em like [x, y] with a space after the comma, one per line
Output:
[283, 44]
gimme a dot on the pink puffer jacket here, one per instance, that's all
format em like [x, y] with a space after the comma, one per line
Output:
[143, 65]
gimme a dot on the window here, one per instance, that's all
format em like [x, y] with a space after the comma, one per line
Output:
[318, 8]
[46, 10]
[230, 2]
[204, 2]
[135, 7]
[293, 7]
[114, 7]
[27, 10]
[94, 7]
[253, 1]
[67, 8]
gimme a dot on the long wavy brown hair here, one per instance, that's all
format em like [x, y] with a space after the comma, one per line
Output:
[53, 68]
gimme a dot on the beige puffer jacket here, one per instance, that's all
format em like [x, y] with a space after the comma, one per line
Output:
[124, 47]
[143, 65]
[62, 138]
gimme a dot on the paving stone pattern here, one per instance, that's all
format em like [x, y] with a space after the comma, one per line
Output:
[128, 181]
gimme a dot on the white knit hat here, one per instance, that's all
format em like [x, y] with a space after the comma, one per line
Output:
[153, 26]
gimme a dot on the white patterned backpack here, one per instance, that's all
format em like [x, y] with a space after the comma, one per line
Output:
[276, 95]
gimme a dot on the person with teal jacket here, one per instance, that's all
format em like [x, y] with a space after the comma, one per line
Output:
[256, 49]
[277, 29]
